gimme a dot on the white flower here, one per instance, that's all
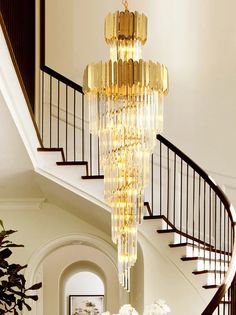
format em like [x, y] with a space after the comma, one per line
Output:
[127, 309]
[106, 313]
[159, 307]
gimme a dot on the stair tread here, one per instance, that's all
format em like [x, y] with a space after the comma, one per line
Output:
[50, 149]
[211, 286]
[166, 231]
[208, 271]
[191, 244]
[202, 258]
[93, 177]
[61, 150]
[68, 163]
[152, 217]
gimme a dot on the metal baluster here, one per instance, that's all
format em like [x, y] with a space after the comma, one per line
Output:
[168, 183]
[199, 211]
[74, 126]
[160, 178]
[42, 132]
[224, 234]
[98, 158]
[66, 122]
[50, 119]
[193, 207]
[210, 250]
[152, 163]
[82, 135]
[58, 113]
[216, 234]
[204, 227]
[187, 197]
[181, 198]
[174, 189]
[221, 234]
[91, 153]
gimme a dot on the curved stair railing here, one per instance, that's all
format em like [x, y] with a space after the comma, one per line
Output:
[180, 192]
[196, 208]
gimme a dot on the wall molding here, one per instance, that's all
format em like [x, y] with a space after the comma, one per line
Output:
[19, 203]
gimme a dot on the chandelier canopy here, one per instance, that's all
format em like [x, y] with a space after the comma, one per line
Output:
[125, 99]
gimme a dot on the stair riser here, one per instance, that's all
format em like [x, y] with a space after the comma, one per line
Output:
[195, 252]
[210, 279]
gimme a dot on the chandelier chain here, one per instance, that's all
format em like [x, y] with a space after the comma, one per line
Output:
[126, 4]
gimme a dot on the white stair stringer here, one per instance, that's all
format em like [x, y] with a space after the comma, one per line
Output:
[161, 242]
[71, 177]
[44, 163]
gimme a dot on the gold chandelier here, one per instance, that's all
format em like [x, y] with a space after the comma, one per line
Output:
[125, 99]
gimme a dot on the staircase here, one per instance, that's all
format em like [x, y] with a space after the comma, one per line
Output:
[188, 213]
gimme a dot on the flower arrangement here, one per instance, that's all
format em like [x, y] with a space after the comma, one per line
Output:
[158, 307]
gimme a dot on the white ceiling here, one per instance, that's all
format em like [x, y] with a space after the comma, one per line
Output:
[196, 39]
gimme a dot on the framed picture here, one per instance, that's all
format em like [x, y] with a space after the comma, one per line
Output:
[86, 304]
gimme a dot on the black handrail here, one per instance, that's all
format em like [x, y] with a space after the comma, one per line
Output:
[62, 79]
[212, 205]
[200, 171]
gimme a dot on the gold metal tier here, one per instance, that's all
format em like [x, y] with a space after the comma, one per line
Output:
[125, 26]
[103, 75]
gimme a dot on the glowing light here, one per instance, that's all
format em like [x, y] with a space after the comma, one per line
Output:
[125, 99]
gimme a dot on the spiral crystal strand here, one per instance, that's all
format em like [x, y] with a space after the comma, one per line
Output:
[125, 99]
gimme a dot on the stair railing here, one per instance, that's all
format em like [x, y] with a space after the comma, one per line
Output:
[180, 191]
[63, 121]
[196, 208]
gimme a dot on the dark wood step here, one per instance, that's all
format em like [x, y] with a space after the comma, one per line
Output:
[166, 231]
[202, 258]
[53, 150]
[225, 302]
[207, 247]
[211, 286]
[71, 163]
[173, 229]
[93, 177]
[156, 217]
[208, 271]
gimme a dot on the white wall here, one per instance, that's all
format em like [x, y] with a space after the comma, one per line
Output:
[84, 283]
[162, 280]
[38, 223]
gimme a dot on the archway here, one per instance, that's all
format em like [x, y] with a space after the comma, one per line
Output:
[82, 278]
[98, 246]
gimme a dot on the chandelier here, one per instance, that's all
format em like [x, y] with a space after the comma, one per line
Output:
[125, 99]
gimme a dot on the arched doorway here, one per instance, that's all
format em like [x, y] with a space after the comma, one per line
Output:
[82, 286]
